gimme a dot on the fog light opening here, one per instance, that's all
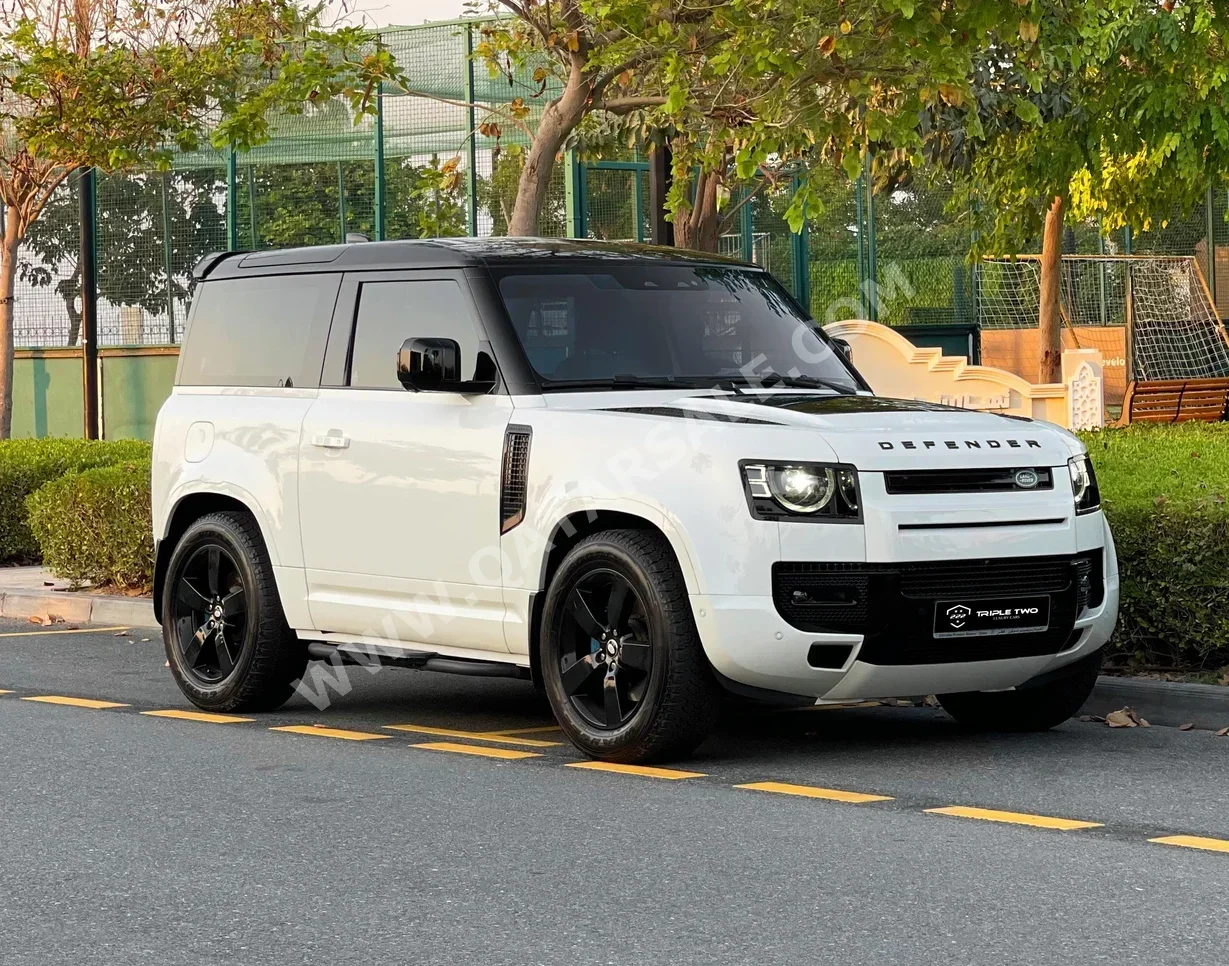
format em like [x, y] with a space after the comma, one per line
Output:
[830, 657]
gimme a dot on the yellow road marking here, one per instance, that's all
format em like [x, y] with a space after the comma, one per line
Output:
[506, 753]
[5, 692]
[646, 770]
[479, 735]
[525, 731]
[810, 791]
[76, 702]
[204, 716]
[1194, 842]
[67, 630]
[322, 732]
[1014, 818]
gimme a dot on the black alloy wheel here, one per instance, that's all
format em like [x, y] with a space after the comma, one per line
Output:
[606, 657]
[210, 614]
[227, 640]
[622, 662]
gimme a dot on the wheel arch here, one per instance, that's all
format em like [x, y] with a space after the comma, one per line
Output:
[568, 532]
[189, 508]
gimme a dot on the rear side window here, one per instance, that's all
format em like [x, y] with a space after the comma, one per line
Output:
[391, 312]
[265, 331]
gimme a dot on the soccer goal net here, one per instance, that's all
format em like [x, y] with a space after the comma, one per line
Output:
[1150, 314]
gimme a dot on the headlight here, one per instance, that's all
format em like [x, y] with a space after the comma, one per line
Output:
[793, 491]
[1084, 484]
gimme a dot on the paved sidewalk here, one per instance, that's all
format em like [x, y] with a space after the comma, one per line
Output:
[31, 591]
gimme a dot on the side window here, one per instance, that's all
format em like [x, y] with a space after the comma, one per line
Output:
[264, 331]
[391, 312]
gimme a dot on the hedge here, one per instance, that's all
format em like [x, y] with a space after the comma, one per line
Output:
[94, 526]
[1164, 490]
[26, 464]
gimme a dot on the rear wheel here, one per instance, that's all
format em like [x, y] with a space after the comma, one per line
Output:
[227, 641]
[621, 659]
[1037, 708]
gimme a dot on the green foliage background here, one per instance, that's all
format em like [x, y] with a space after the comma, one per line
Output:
[95, 526]
[1164, 489]
[27, 464]
[1164, 492]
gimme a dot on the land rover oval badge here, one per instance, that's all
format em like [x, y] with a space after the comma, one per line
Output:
[1026, 479]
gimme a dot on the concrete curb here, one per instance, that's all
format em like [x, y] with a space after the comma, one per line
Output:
[1168, 703]
[80, 608]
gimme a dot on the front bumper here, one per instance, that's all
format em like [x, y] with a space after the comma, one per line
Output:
[749, 642]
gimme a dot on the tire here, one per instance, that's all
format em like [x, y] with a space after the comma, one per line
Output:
[251, 662]
[1037, 708]
[661, 678]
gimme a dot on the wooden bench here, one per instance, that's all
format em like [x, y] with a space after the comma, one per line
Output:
[1175, 401]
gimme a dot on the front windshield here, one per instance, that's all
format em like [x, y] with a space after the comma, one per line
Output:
[697, 325]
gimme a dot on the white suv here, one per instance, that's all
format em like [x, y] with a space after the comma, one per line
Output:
[640, 477]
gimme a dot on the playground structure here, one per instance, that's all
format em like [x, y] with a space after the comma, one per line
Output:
[896, 367]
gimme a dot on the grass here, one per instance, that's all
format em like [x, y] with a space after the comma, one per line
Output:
[1164, 490]
[1185, 463]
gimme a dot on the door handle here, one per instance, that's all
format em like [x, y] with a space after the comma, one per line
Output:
[331, 442]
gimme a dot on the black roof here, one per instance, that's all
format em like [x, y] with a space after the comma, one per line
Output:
[440, 253]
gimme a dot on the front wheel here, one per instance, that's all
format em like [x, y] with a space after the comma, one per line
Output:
[227, 641]
[622, 662]
[1037, 708]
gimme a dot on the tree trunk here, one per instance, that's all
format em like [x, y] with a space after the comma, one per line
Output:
[1049, 323]
[558, 121]
[8, 288]
[70, 292]
[700, 228]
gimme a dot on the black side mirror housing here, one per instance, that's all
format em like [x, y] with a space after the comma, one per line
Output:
[434, 365]
[844, 348]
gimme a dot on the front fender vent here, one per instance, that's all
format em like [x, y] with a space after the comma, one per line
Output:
[515, 477]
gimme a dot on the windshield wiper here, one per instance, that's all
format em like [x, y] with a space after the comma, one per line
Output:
[628, 381]
[806, 382]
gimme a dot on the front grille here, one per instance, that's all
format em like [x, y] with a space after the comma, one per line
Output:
[512, 491]
[892, 604]
[910, 482]
[995, 577]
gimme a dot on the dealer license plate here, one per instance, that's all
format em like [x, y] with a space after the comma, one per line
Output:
[989, 618]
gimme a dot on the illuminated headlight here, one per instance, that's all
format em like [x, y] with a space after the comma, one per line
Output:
[1084, 484]
[819, 491]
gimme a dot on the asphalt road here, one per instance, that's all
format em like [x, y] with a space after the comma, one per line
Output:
[134, 838]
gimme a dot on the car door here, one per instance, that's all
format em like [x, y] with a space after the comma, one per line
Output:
[399, 490]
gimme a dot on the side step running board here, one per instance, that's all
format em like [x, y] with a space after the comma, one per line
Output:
[384, 656]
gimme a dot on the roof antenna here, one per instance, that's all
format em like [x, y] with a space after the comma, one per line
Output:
[354, 237]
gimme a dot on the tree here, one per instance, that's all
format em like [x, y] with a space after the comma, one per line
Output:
[115, 84]
[744, 88]
[131, 270]
[497, 195]
[582, 56]
[1112, 110]
[301, 204]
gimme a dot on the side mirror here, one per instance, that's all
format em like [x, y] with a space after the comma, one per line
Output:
[844, 348]
[434, 365]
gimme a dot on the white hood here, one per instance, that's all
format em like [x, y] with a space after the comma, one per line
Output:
[878, 433]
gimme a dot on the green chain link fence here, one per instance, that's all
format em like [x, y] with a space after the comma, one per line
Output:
[896, 256]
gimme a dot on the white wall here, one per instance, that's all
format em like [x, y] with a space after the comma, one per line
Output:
[382, 13]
